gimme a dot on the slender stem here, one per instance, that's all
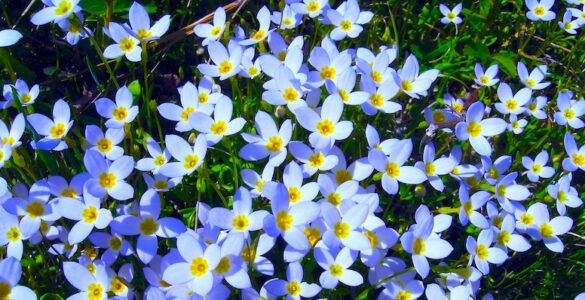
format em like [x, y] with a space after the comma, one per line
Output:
[100, 53]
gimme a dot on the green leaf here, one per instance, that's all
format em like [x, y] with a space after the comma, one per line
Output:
[507, 63]
[97, 7]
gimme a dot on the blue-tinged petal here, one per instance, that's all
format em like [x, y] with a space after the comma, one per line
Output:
[146, 247]
[79, 232]
[492, 126]
[121, 191]
[177, 273]
[438, 248]
[481, 145]
[77, 275]
[9, 37]
[150, 204]
[126, 225]
[139, 18]
[40, 123]
[170, 227]
[421, 264]
[296, 238]
[351, 278]
[10, 270]
[44, 16]
[71, 209]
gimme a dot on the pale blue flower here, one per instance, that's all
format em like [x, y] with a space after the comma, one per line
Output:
[336, 268]
[10, 273]
[108, 178]
[476, 130]
[9, 37]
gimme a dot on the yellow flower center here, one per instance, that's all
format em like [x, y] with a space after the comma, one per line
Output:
[403, 295]
[281, 55]
[143, 34]
[373, 238]
[240, 222]
[493, 172]
[252, 71]
[325, 127]
[530, 82]
[191, 161]
[539, 10]
[578, 159]
[219, 127]
[223, 266]
[161, 185]
[117, 286]
[526, 219]
[148, 226]
[336, 270]
[376, 100]
[203, 98]
[91, 268]
[392, 169]
[115, 243]
[546, 230]
[532, 107]
[25, 98]
[290, 95]
[35, 209]
[286, 21]
[225, 67]
[68, 192]
[316, 160]
[328, 72]
[497, 221]
[473, 129]
[430, 168]
[186, 112]
[484, 79]
[120, 113]
[471, 181]
[95, 291]
[127, 44]
[259, 35]
[341, 230]
[451, 15]
[160, 160]
[511, 104]
[312, 234]
[260, 184]
[536, 168]
[343, 95]
[274, 144]
[457, 107]
[468, 208]
[345, 25]
[419, 246]
[439, 116]
[13, 234]
[569, 114]
[90, 214]
[294, 194]
[313, 6]
[248, 254]
[8, 139]
[503, 238]
[482, 251]
[501, 191]
[215, 31]
[406, 85]
[562, 196]
[57, 131]
[199, 266]
[376, 76]
[63, 8]
[334, 198]
[284, 220]
[293, 288]
[107, 180]
[104, 145]
[5, 290]
[342, 176]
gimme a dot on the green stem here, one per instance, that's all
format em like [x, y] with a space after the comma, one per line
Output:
[100, 53]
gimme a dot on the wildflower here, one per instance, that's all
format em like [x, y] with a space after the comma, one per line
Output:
[451, 15]
[313, 8]
[119, 113]
[293, 287]
[148, 225]
[287, 91]
[507, 189]
[379, 99]
[537, 168]
[336, 194]
[91, 285]
[241, 218]
[328, 64]
[140, 24]
[255, 181]
[9, 37]
[263, 17]
[326, 128]
[115, 244]
[10, 272]
[231, 266]
[435, 292]
[198, 266]
[343, 87]
[535, 107]
[345, 231]
[576, 156]
[337, 268]
[565, 194]
[253, 256]
[510, 103]
[25, 95]
[189, 158]
[409, 289]
[87, 213]
[287, 19]
[482, 253]
[409, 80]
[348, 22]
[118, 281]
[221, 124]
[125, 44]
[568, 24]
[12, 137]
[109, 178]
[506, 238]
[515, 125]
[226, 64]
[313, 160]
[489, 77]
[494, 171]
[249, 67]
[475, 129]
[435, 167]
[106, 144]
[158, 157]
[570, 110]
[470, 205]
[61, 189]
[534, 80]
[12, 233]
[548, 230]
[190, 103]
[211, 32]
[56, 11]
[579, 14]
[161, 183]
[540, 10]
[74, 28]
[52, 130]
[393, 169]
[420, 242]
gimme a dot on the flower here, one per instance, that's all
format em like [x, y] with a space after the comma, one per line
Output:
[12, 234]
[92, 286]
[516, 126]
[108, 178]
[482, 253]
[271, 141]
[475, 129]
[565, 194]
[435, 167]
[286, 90]
[533, 81]
[470, 205]
[9, 37]
[451, 15]
[570, 110]
[347, 20]
[263, 17]
[326, 128]
[106, 144]
[140, 23]
[313, 8]
[489, 77]
[576, 156]
[328, 62]
[10, 273]
[226, 64]
[506, 238]
[506, 190]
[148, 225]
[293, 287]
[345, 231]
[211, 32]
[540, 10]
[379, 98]
[190, 103]
[56, 11]
[12, 137]
[52, 130]
[74, 28]
[119, 113]
[293, 181]
[535, 107]
[510, 103]
[537, 168]
[25, 95]
[88, 214]
[241, 218]
[221, 124]
[189, 158]
[125, 44]
[115, 244]
[337, 268]
[548, 230]
[313, 160]
[568, 24]
[255, 181]
[158, 157]
[409, 80]
[287, 19]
